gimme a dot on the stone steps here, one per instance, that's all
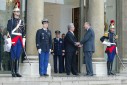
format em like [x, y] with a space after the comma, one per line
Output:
[81, 80]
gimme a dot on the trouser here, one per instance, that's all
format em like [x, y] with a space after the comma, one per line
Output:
[14, 66]
[70, 62]
[109, 68]
[43, 62]
[110, 60]
[16, 51]
[63, 63]
[60, 63]
[88, 61]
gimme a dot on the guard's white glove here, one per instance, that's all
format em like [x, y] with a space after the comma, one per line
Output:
[106, 43]
[39, 51]
[113, 43]
[24, 40]
[116, 50]
[50, 51]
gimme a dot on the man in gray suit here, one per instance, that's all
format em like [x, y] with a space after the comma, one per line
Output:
[88, 43]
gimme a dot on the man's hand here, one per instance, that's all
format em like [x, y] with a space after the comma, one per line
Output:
[80, 46]
[63, 54]
[116, 37]
[39, 51]
[63, 51]
[77, 43]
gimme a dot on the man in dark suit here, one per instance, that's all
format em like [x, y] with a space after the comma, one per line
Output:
[70, 51]
[88, 43]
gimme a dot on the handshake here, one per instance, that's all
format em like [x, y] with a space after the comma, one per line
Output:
[78, 44]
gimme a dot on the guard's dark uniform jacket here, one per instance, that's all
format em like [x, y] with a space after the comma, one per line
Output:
[58, 46]
[12, 23]
[43, 40]
[16, 36]
[111, 39]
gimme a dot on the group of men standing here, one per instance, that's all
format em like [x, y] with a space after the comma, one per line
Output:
[61, 48]
[64, 48]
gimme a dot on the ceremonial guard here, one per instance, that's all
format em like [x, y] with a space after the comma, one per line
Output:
[109, 39]
[58, 49]
[16, 32]
[44, 45]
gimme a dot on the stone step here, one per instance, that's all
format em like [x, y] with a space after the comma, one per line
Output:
[81, 80]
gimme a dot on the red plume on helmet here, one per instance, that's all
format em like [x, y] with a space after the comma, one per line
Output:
[112, 24]
[17, 3]
[112, 21]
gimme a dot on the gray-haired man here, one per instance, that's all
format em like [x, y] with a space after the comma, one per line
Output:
[70, 50]
[88, 43]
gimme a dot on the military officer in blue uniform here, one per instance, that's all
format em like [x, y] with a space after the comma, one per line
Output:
[44, 45]
[58, 49]
[109, 39]
[16, 32]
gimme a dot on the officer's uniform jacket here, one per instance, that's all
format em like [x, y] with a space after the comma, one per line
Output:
[58, 46]
[44, 40]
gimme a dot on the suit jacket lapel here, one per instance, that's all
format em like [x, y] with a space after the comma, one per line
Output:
[73, 36]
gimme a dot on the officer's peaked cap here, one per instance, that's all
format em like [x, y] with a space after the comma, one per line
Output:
[45, 20]
[57, 32]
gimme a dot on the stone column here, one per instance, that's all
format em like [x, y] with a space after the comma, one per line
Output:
[96, 18]
[35, 13]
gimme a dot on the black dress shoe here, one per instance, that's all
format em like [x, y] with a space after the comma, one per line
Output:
[86, 74]
[112, 73]
[46, 75]
[109, 73]
[68, 74]
[55, 72]
[90, 75]
[18, 75]
[76, 74]
[41, 75]
[14, 75]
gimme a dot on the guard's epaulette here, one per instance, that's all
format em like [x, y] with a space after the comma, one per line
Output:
[106, 34]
